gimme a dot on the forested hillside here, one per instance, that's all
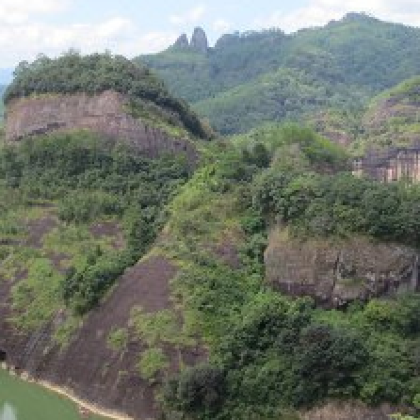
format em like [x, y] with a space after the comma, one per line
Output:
[248, 78]
[78, 211]
[269, 354]
[393, 117]
[259, 280]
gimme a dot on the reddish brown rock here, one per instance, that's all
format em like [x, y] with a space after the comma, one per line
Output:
[88, 366]
[337, 272]
[103, 114]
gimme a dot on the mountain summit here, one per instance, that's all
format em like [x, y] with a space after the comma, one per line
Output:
[199, 41]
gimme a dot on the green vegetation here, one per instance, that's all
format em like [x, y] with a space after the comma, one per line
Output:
[258, 76]
[152, 361]
[270, 354]
[392, 118]
[96, 73]
[117, 339]
[37, 298]
[340, 205]
[84, 180]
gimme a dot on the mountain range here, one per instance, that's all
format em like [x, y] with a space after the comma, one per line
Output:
[326, 76]
[152, 267]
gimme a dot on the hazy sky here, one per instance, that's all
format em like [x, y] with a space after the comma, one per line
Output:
[132, 27]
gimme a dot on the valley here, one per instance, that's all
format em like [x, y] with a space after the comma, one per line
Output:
[216, 233]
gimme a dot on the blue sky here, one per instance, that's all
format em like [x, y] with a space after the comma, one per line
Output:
[132, 27]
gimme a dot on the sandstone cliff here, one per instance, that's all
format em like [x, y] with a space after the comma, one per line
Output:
[335, 273]
[394, 164]
[104, 114]
[88, 367]
[199, 40]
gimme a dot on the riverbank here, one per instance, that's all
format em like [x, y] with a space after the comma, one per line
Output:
[69, 395]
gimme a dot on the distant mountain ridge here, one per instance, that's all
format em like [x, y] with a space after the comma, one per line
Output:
[250, 78]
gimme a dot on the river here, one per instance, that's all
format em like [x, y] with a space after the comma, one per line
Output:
[25, 401]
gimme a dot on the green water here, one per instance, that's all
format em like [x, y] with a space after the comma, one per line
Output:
[22, 401]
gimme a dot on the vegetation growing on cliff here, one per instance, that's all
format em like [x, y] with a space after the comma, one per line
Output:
[270, 353]
[392, 118]
[96, 73]
[86, 180]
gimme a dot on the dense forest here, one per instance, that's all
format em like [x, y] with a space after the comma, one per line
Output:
[248, 77]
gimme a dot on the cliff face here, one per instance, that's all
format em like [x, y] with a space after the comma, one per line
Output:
[391, 165]
[88, 366]
[335, 273]
[103, 114]
[199, 40]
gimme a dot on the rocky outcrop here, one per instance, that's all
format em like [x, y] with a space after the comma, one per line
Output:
[182, 42]
[199, 41]
[103, 114]
[88, 367]
[394, 164]
[335, 273]
[348, 411]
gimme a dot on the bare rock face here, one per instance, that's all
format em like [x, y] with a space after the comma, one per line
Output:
[103, 114]
[349, 411]
[199, 40]
[87, 366]
[182, 42]
[336, 273]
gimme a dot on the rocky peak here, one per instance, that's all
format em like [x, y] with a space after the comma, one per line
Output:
[199, 40]
[182, 42]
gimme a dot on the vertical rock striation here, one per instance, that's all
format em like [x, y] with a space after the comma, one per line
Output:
[103, 114]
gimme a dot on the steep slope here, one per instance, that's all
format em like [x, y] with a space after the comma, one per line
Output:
[104, 94]
[195, 327]
[357, 56]
[285, 95]
[393, 117]
[268, 354]
[78, 216]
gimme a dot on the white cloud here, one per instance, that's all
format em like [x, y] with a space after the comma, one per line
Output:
[221, 25]
[24, 33]
[19, 11]
[117, 34]
[319, 12]
[191, 16]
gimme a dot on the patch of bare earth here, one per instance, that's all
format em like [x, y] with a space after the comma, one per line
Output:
[108, 229]
[348, 411]
[38, 229]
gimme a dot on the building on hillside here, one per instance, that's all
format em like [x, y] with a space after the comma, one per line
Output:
[394, 164]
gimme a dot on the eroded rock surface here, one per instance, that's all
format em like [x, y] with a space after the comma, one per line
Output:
[103, 114]
[337, 272]
[88, 366]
